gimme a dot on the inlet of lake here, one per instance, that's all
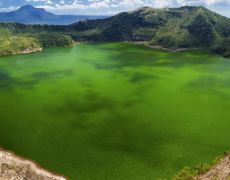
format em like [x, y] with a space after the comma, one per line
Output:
[115, 111]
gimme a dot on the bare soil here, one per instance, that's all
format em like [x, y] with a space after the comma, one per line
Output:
[13, 167]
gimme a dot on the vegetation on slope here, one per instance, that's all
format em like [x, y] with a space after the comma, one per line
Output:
[54, 40]
[17, 38]
[11, 44]
[184, 27]
[222, 46]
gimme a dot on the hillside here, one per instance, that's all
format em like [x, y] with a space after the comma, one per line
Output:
[183, 27]
[171, 28]
[30, 15]
[12, 44]
[24, 39]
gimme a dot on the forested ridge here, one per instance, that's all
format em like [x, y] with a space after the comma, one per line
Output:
[184, 27]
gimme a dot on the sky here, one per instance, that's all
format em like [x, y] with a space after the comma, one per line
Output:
[111, 7]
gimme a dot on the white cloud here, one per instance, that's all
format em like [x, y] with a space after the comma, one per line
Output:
[203, 2]
[7, 9]
[211, 2]
[62, 2]
[114, 6]
[41, 1]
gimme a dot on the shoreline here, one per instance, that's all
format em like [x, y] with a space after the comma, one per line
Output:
[28, 51]
[221, 170]
[218, 169]
[25, 51]
[12, 165]
[144, 43]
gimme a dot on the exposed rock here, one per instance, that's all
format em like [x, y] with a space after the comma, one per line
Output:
[221, 171]
[13, 167]
[29, 51]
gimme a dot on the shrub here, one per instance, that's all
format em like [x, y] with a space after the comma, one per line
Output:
[222, 46]
[55, 40]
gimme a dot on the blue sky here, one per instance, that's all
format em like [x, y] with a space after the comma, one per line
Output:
[110, 6]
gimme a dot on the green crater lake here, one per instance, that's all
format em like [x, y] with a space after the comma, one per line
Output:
[114, 110]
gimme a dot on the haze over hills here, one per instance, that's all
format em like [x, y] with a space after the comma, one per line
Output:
[30, 15]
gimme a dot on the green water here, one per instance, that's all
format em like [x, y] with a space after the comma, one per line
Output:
[115, 111]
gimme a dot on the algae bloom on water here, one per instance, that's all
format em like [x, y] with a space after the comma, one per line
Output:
[115, 110]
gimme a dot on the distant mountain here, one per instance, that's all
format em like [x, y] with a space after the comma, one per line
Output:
[30, 15]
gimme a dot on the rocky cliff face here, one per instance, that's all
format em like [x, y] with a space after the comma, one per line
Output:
[13, 167]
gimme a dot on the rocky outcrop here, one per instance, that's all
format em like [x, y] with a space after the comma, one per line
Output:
[28, 51]
[13, 167]
[221, 171]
